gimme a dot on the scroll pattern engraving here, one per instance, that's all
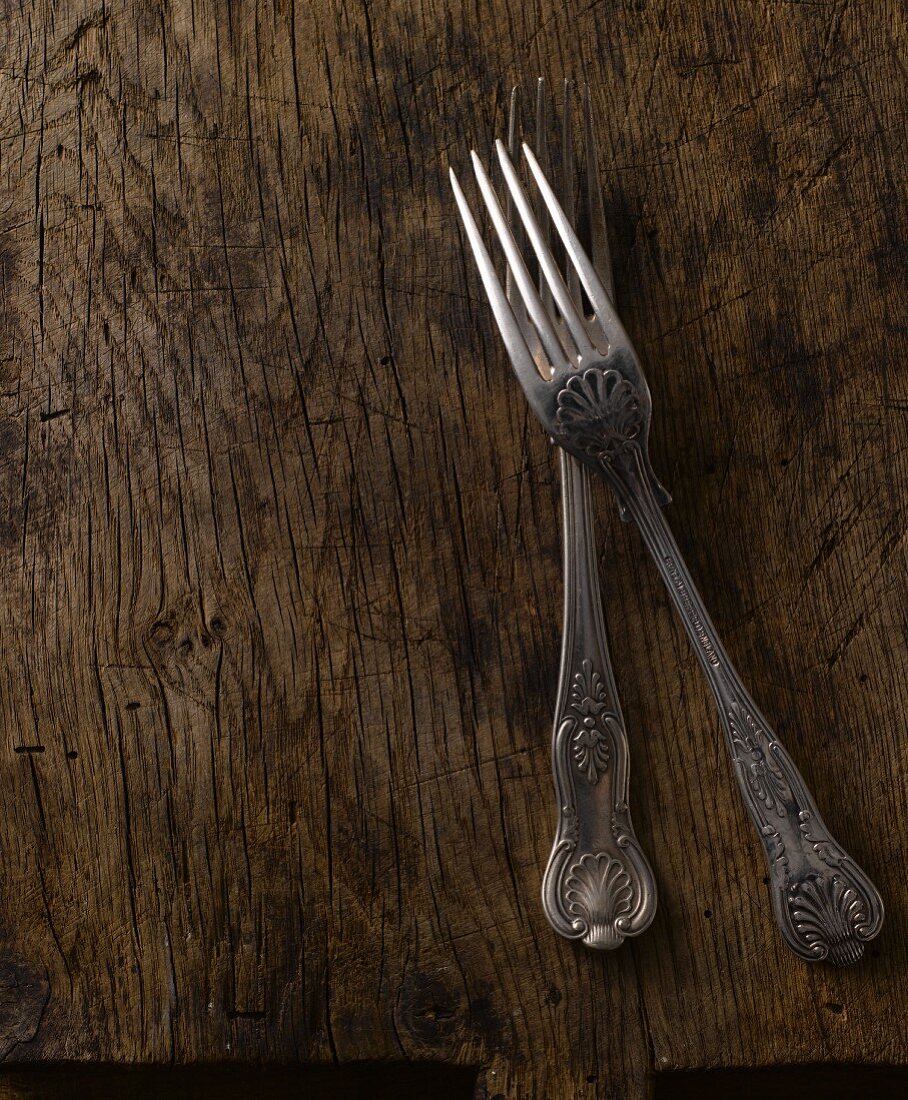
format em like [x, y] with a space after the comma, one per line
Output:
[596, 889]
[827, 908]
[590, 741]
[599, 898]
[599, 411]
[830, 917]
[761, 772]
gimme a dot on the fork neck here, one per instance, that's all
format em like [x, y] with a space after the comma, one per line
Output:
[632, 483]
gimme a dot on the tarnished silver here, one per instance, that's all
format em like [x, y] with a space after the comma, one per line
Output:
[598, 886]
[592, 397]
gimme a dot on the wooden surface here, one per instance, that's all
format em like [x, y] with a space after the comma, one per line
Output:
[279, 540]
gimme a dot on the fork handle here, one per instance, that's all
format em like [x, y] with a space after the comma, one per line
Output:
[598, 886]
[825, 905]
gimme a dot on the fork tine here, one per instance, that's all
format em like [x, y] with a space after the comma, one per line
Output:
[541, 119]
[568, 196]
[518, 269]
[513, 139]
[518, 352]
[517, 303]
[542, 144]
[599, 248]
[592, 284]
[550, 270]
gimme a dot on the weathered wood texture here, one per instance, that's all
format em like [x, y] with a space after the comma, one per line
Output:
[279, 540]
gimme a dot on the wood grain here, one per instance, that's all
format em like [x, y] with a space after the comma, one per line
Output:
[279, 540]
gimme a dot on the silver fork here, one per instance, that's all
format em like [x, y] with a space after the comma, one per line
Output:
[594, 401]
[598, 886]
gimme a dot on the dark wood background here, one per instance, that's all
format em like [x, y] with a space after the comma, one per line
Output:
[279, 541]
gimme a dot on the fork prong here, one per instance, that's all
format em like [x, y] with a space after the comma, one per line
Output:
[550, 270]
[518, 352]
[592, 284]
[568, 193]
[517, 303]
[513, 145]
[599, 249]
[542, 121]
[542, 144]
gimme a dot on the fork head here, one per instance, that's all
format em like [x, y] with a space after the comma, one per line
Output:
[566, 343]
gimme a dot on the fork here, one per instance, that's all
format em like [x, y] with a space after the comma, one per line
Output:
[598, 886]
[594, 401]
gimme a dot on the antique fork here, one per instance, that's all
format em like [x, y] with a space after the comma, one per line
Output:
[598, 886]
[595, 403]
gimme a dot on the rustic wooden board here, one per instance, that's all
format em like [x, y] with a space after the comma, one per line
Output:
[279, 541]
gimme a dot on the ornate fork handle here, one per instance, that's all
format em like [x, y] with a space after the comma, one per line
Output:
[598, 886]
[825, 905]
